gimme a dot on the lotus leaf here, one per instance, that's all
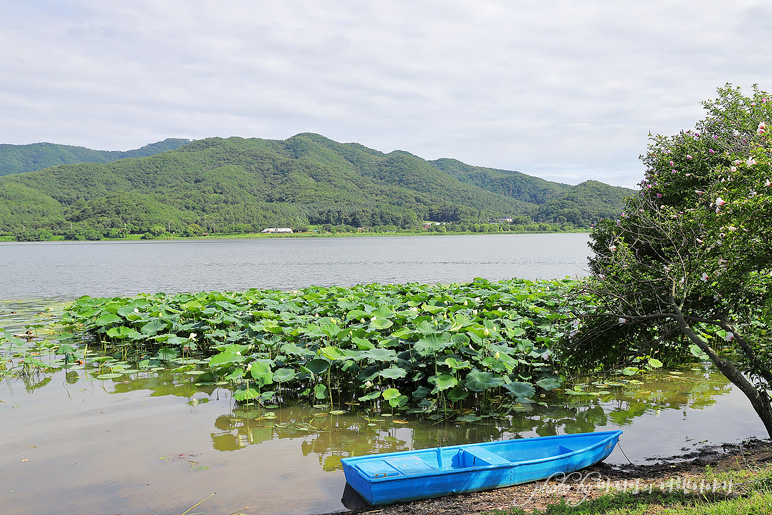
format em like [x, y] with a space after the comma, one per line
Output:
[379, 355]
[225, 358]
[357, 314]
[120, 332]
[261, 372]
[155, 326]
[424, 327]
[421, 392]
[292, 349]
[432, 309]
[549, 383]
[521, 390]
[390, 393]
[284, 375]
[332, 353]
[478, 381]
[458, 394]
[398, 402]
[192, 306]
[442, 382]
[107, 319]
[454, 364]
[318, 366]
[370, 396]
[246, 394]
[431, 344]
[361, 343]
[380, 324]
[320, 391]
[393, 372]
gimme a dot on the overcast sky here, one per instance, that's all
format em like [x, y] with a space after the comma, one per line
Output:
[564, 90]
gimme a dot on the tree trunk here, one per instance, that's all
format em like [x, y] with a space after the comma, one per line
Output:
[759, 398]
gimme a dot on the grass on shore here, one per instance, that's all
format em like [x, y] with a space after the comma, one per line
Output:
[738, 492]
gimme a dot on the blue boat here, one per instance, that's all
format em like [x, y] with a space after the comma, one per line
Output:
[410, 475]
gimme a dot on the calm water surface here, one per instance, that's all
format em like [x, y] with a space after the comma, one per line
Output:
[67, 270]
[156, 443]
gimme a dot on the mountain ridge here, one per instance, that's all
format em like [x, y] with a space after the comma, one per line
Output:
[236, 185]
[37, 156]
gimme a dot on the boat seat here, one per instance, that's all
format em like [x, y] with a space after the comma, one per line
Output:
[410, 465]
[377, 468]
[480, 456]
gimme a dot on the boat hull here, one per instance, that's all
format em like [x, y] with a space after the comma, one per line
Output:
[410, 475]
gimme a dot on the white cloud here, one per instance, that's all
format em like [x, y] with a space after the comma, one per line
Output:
[566, 90]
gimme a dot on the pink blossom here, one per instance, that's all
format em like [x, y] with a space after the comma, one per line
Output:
[750, 161]
[711, 151]
[761, 129]
[729, 336]
[659, 195]
[704, 277]
[720, 202]
[699, 192]
[767, 183]
[689, 157]
[612, 248]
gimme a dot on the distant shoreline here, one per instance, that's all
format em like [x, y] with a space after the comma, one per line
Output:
[249, 236]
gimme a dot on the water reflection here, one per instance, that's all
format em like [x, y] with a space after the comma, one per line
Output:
[585, 406]
[333, 434]
[139, 417]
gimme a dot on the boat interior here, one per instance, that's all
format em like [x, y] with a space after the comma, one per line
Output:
[433, 460]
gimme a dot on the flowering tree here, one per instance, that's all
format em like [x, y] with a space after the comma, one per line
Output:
[688, 265]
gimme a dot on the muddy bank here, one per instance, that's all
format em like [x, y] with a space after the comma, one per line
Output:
[676, 472]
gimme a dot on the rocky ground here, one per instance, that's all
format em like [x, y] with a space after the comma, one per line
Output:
[679, 472]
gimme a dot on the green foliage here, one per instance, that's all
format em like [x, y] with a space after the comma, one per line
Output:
[584, 204]
[28, 158]
[487, 344]
[240, 185]
[689, 261]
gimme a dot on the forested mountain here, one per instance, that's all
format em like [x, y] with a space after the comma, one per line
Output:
[512, 184]
[28, 158]
[238, 185]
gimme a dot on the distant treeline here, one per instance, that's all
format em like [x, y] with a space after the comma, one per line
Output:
[238, 186]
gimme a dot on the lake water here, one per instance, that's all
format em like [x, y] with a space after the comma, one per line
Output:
[67, 270]
[156, 443]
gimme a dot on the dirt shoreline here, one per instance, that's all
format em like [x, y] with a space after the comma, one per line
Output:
[676, 472]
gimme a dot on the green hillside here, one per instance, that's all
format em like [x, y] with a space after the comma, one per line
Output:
[238, 185]
[512, 184]
[584, 204]
[28, 158]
